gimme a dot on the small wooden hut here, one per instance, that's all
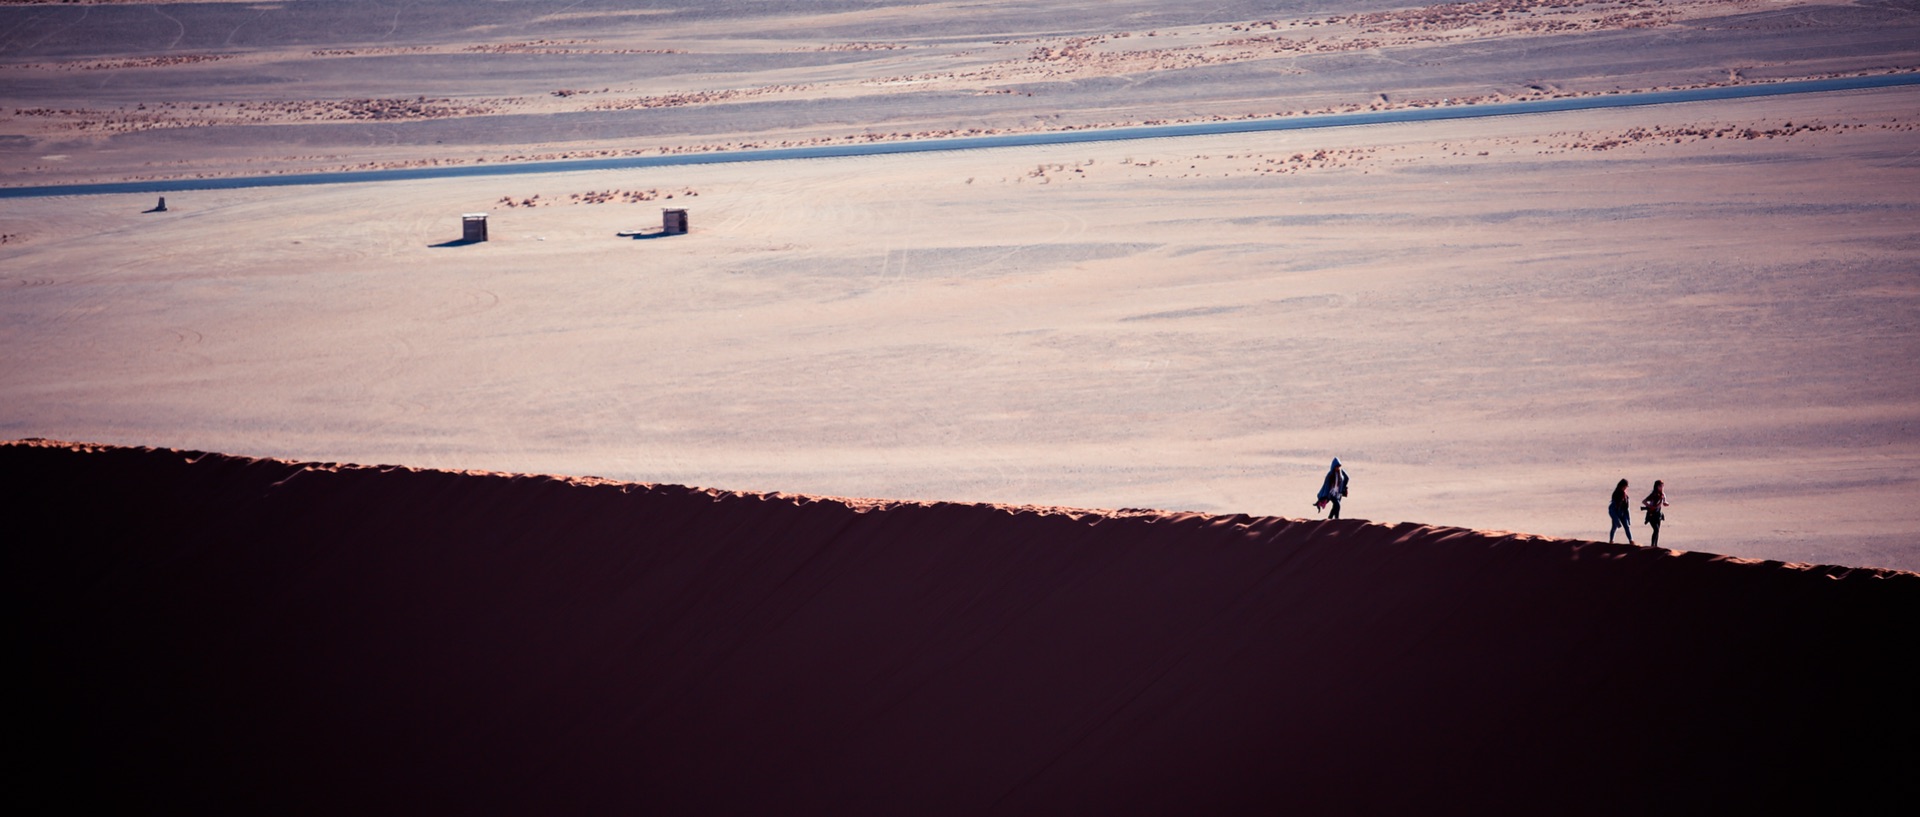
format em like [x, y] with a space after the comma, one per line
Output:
[673, 220]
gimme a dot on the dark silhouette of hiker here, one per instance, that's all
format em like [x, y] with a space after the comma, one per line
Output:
[1653, 504]
[1617, 511]
[1332, 489]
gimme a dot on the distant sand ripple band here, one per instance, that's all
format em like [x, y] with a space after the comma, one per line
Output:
[1469, 111]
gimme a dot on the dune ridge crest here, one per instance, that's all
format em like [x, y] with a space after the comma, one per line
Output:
[232, 634]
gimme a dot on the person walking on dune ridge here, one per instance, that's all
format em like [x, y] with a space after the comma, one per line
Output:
[1653, 504]
[1617, 511]
[1332, 489]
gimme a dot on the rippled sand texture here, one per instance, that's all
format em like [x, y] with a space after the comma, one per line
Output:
[107, 92]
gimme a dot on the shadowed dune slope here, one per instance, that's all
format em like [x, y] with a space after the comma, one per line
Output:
[231, 634]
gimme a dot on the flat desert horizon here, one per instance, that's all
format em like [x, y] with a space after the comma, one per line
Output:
[1489, 321]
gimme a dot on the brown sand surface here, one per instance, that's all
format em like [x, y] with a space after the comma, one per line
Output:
[1490, 321]
[211, 634]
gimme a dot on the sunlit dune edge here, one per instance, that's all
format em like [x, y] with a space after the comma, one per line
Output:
[240, 634]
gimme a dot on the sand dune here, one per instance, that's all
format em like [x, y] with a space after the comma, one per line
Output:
[1492, 320]
[242, 635]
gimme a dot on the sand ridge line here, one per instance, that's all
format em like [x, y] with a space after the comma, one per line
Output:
[1322, 159]
[1551, 144]
[1048, 59]
[1255, 529]
[858, 504]
[170, 115]
[1100, 55]
[123, 63]
[315, 163]
[597, 197]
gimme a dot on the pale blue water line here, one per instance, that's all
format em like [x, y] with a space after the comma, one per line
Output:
[1624, 100]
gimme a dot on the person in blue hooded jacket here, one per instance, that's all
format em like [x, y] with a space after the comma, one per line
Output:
[1332, 489]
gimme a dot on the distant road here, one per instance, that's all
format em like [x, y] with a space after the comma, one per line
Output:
[1625, 100]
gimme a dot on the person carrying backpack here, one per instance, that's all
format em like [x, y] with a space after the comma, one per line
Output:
[1652, 505]
[1332, 489]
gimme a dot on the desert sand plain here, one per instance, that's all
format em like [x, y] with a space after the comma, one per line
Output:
[1490, 321]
